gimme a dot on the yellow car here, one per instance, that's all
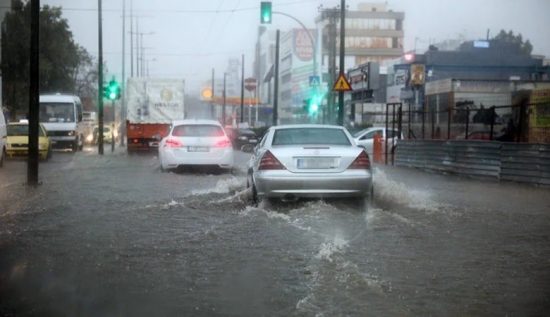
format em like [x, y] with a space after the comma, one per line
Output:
[17, 143]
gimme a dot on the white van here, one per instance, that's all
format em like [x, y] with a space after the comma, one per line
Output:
[61, 115]
[3, 137]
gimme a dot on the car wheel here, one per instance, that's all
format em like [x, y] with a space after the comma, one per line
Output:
[75, 146]
[250, 184]
[2, 154]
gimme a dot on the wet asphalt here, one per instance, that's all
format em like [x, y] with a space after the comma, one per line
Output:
[114, 236]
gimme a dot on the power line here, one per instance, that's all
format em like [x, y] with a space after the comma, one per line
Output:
[210, 11]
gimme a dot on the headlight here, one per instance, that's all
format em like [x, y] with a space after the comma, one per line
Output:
[90, 138]
[71, 133]
[115, 134]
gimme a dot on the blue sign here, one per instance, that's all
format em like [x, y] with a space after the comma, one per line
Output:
[314, 81]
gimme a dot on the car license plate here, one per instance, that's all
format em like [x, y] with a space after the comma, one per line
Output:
[153, 144]
[316, 163]
[197, 149]
[253, 141]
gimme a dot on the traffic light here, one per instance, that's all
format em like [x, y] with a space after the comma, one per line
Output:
[265, 12]
[311, 106]
[112, 90]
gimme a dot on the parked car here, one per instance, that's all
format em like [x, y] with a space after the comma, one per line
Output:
[319, 161]
[196, 142]
[241, 137]
[365, 138]
[17, 141]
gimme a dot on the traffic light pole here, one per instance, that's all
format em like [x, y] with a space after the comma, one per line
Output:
[242, 90]
[276, 86]
[342, 57]
[32, 163]
[100, 81]
[224, 95]
[123, 84]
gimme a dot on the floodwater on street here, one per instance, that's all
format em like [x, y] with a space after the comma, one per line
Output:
[114, 236]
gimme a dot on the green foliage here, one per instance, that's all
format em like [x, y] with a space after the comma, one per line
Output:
[510, 40]
[60, 57]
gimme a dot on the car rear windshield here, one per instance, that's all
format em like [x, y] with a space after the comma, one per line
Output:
[21, 130]
[194, 130]
[305, 136]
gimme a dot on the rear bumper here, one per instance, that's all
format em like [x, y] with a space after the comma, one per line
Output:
[350, 183]
[24, 153]
[63, 142]
[169, 159]
[142, 144]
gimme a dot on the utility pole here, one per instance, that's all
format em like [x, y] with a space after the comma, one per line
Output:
[123, 84]
[100, 80]
[224, 95]
[142, 58]
[34, 95]
[131, 38]
[137, 47]
[212, 115]
[276, 71]
[342, 57]
[242, 89]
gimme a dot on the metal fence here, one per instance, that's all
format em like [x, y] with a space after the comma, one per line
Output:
[464, 120]
[519, 162]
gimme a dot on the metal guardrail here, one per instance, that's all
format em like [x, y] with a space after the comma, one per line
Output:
[521, 162]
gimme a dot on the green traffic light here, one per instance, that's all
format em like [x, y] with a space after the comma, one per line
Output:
[265, 12]
[112, 90]
[313, 108]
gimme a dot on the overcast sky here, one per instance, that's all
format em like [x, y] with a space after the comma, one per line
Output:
[192, 37]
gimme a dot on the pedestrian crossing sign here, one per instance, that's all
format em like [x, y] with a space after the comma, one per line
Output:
[341, 84]
[314, 81]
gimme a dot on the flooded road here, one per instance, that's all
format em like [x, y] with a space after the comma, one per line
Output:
[114, 236]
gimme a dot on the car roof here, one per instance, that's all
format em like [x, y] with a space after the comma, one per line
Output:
[59, 98]
[196, 121]
[294, 126]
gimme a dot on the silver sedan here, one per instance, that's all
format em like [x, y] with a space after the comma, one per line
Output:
[318, 161]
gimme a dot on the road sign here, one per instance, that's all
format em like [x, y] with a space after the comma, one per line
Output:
[250, 84]
[341, 84]
[314, 81]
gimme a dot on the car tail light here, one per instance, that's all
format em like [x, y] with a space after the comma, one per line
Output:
[361, 162]
[223, 143]
[173, 143]
[270, 162]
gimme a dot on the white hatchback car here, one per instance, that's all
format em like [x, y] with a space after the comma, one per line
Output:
[196, 142]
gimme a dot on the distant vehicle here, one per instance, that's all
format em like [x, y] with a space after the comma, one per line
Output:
[196, 142]
[241, 137]
[365, 138]
[17, 142]
[2, 137]
[108, 135]
[318, 161]
[89, 121]
[61, 115]
[152, 105]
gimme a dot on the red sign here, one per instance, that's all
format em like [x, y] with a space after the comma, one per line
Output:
[250, 84]
[302, 45]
